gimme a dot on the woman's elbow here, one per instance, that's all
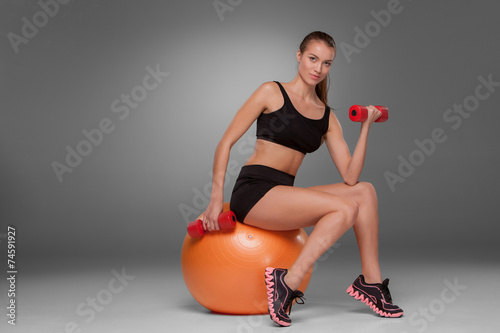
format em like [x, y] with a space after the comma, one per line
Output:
[225, 144]
[351, 181]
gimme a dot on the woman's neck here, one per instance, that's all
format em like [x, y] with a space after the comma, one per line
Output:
[305, 91]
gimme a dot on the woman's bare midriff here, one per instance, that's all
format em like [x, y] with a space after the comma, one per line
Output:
[276, 156]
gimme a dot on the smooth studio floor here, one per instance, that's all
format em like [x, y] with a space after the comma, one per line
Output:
[449, 293]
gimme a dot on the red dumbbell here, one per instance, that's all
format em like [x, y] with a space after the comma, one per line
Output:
[227, 220]
[360, 113]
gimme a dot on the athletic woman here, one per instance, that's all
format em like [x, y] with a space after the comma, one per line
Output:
[294, 119]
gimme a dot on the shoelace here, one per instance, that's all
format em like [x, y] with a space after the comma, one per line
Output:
[297, 296]
[385, 291]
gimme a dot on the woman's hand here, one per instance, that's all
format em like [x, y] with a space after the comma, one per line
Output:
[211, 216]
[373, 114]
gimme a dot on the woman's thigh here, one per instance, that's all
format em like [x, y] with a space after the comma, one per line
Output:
[358, 193]
[288, 208]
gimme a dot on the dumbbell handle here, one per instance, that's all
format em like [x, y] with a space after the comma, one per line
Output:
[360, 113]
[227, 220]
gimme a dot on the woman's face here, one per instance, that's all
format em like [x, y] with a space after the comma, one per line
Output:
[315, 62]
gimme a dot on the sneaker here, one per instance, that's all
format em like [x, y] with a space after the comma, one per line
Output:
[280, 296]
[376, 296]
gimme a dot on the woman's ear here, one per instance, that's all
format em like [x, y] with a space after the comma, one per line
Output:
[299, 55]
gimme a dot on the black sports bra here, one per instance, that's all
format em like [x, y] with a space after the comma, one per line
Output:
[288, 127]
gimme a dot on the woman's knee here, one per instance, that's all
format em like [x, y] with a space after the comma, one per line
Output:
[349, 211]
[352, 210]
[366, 193]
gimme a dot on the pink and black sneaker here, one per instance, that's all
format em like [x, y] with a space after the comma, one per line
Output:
[280, 296]
[376, 296]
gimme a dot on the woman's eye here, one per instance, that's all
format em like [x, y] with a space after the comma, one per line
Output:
[312, 58]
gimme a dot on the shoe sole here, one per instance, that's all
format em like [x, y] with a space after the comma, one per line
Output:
[361, 297]
[270, 296]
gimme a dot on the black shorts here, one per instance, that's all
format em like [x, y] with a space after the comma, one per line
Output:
[253, 182]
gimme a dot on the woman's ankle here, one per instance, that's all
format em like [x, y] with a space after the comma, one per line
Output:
[291, 281]
[372, 278]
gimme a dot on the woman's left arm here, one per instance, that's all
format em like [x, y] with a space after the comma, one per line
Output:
[349, 167]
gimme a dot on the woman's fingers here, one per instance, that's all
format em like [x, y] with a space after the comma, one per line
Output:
[209, 223]
[210, 219]
[215, 221]
[375, 113]
[204, 222]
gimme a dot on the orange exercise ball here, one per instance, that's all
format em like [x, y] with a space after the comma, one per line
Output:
[224, 270]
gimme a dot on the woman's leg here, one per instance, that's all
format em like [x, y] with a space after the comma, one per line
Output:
[288, 208]
[366, 226]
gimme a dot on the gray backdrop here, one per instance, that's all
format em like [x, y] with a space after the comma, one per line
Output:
[142, 91]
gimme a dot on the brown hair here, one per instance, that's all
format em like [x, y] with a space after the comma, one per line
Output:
[322, 87]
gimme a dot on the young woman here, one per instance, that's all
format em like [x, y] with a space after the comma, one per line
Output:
[294, 119]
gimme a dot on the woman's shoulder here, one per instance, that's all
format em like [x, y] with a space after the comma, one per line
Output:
[269, 86]
[267, 90]
[268, 94]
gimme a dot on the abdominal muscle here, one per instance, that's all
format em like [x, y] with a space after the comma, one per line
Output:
[276, 156]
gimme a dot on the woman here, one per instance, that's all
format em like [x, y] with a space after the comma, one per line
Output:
[294, 119]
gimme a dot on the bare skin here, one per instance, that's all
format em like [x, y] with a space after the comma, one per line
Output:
[332, 209]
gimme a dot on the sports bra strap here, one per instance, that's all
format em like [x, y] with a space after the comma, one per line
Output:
[285, 95]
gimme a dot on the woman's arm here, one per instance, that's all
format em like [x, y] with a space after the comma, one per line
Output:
[349, 167]
[244, 118]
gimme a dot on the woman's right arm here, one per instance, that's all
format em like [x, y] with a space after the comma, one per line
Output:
[244, 118]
